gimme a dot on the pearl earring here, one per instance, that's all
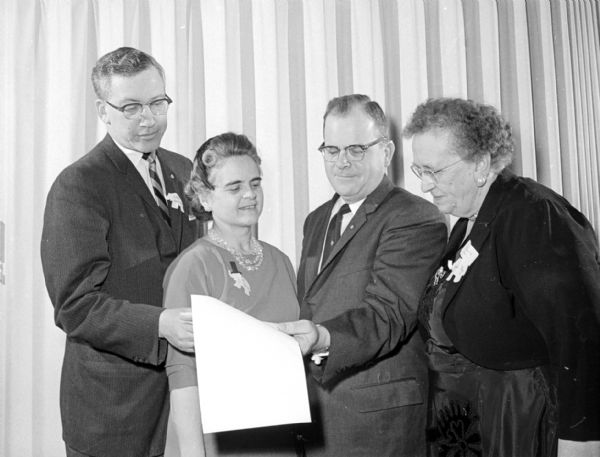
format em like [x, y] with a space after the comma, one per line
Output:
[481, 180]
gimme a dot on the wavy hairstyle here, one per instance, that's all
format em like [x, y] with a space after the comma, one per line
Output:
[209, 157]
[477, 129]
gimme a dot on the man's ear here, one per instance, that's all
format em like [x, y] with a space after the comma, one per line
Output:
[101, 108]
[389, 149]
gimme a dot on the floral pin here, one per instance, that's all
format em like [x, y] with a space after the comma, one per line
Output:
[238, 280]
[175, 200]
[466, 257]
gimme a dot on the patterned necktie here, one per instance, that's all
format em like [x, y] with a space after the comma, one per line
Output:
[334, 231]
[156, 185]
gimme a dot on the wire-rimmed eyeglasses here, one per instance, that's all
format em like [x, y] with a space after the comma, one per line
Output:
[422, 172]
[354, 152]
[133, 110]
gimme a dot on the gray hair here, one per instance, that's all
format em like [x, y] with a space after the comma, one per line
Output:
[477, 129]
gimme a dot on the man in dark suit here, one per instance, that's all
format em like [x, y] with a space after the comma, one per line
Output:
[114, 221]
[368, 382]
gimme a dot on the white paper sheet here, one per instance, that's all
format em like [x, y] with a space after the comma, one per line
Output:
[249, 374]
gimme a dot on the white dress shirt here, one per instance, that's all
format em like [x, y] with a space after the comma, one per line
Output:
[143, 167]
[346, 218]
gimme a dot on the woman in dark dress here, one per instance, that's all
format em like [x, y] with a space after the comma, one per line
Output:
[512, 314]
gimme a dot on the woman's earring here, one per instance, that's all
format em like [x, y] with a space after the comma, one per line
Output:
[480, 181]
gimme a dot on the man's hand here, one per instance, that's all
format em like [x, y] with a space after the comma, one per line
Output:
[175, 325]
[312, 338]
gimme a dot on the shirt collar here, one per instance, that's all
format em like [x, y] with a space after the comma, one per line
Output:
[133, 155]
[353, 206]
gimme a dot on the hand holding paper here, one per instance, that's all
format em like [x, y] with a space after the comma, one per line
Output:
[175, 325]
[310, 336]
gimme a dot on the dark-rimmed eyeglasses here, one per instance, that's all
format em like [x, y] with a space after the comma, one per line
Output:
[423, 172]
[134, 110]
[354, 152]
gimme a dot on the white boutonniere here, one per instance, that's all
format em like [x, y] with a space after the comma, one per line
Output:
[466, 257]
[175, 200]
[239, 281]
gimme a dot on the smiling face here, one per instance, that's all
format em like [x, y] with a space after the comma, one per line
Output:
[145, 132]
[354, 180]
[237, 198]
[456, 191]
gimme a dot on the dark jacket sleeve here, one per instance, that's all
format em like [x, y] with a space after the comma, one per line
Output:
[406, 254]
[548, 257]
[76, 259]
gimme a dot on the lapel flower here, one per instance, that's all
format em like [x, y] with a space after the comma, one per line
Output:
[175, 200]
[466, 257]
[240, 282]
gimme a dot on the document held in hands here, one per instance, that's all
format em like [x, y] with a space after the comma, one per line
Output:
[249, 373]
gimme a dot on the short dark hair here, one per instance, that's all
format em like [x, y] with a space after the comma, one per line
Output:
[123, 61]
[346, 103]
[212, 152]
[477, 128]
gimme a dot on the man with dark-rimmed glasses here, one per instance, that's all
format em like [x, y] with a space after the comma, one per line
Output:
[366, 256]
[114, 220]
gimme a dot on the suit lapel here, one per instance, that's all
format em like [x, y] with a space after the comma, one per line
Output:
[481, 229]
[172, 186]
[371, 204]
[353, 227]
[133, 179]
[315, 243]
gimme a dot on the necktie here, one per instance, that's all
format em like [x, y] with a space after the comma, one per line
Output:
[456, 238]
[333, 231]
[156, 185]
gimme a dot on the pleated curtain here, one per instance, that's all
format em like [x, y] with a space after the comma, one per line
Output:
[267, 68]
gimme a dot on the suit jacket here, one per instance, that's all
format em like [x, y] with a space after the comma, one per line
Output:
[532, 296]
[105, 248]
[368, 399]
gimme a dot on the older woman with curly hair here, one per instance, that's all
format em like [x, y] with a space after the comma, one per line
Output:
[230, 264]
[511, 316]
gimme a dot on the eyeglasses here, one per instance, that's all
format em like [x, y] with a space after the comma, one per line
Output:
[133, 110]
[354, 152]
[431, 174]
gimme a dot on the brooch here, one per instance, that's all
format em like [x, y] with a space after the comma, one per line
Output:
[466, 257]
[439, 274]
[238, 280]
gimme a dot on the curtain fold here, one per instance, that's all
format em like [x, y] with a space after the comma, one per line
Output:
[267, 68]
